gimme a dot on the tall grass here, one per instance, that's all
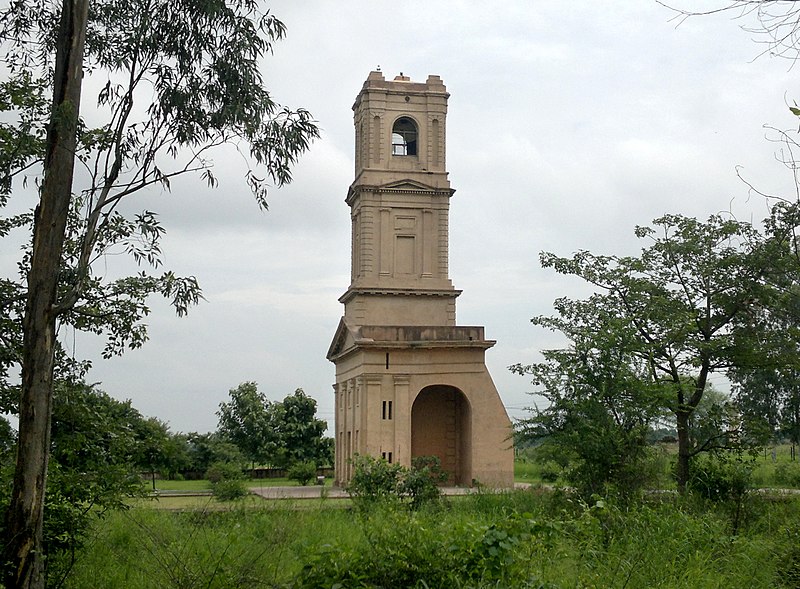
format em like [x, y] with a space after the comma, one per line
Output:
[521, 539]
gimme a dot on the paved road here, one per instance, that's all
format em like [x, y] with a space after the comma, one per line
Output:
[315, 492]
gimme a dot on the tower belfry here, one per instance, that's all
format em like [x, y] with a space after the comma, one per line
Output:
[409, 381]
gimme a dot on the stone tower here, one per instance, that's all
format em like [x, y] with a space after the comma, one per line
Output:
[409, 381]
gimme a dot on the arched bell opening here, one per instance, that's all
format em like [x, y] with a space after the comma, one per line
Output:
[441, 426]
[404, 137]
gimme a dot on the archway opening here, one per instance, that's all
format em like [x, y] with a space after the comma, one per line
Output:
[404, 137]
[441, 426]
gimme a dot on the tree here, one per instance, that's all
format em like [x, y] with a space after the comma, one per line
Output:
[776, 22]
[695, 302]
[601, 402]
[160, 450]
[209, 448]
[249, 421]
[769, 400]
[277, 433]
[181, 78]
[300, 433]
[98, 447]
[8, 440]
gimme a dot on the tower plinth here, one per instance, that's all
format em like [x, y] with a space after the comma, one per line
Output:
[409, 381]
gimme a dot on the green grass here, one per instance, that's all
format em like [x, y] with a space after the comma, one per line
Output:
[187, 486]
[204, 485]
[780, 473]
[512, 540]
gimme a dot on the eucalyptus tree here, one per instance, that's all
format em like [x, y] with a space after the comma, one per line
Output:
[695, 302]
[177, 79]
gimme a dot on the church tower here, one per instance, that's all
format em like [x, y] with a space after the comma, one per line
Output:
[409, 381]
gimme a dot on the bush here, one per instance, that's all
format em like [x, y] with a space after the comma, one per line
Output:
[724, 479]
[787, 474]
[550, 471]
[229, 490]
[375, 480]
[223, 471]
[720, 477]
[227, 481]
[302, 472]
[421, 483]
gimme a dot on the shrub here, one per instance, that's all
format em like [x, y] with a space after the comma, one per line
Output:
[724, 479]
[720, 477]
[227, 481]
[375, 480]
[550, 471]
[787, 474]
[421, 483]
[302, 472]
[229, 490]
[223, 471]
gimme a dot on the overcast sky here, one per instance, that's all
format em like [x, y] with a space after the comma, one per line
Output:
[569, 123]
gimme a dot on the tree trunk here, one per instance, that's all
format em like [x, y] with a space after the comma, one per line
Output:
[682, 470]
[24, 557]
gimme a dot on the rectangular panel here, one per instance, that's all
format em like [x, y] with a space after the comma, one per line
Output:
[404, 254]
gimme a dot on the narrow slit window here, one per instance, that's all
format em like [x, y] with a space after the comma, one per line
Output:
[389, 412]
[389, 457]
[383, 412]
[404, 137]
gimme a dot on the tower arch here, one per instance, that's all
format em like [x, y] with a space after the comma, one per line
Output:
[441, 426]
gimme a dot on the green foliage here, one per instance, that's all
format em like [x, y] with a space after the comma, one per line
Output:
[787, 474]
[175, 81]
[229, 489]
[420, 483]
[376, 481]
[373, 480]
[518, 540]
[206, 449]
[98, 447]
[769, 401]
[227, 481]
[699, 299]
[300, 432]
[248, 420]
[276, 433]
[406, 551]
[222, 471]
[721, 477]
[725, 479]
[788, 573]
[302, 472]
[8, 439]
[550, 471]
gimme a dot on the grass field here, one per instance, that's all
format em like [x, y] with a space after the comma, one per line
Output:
[529, 540]
[769, 470]
[204, 485]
